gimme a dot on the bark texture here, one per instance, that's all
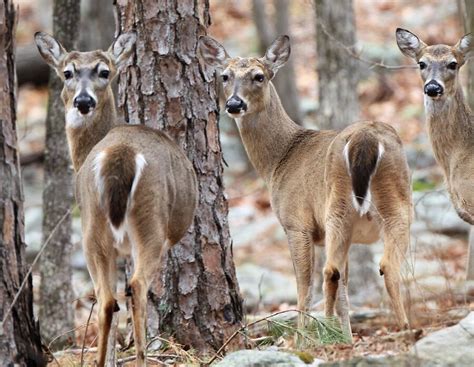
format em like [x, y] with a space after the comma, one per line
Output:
[56, 294]
[337, 71]
[198, 298]
[466, 8]
[20, 342]
[267, 31]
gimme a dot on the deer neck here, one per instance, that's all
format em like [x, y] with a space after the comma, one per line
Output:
[267, 135]
[83, 138]
[449, 125]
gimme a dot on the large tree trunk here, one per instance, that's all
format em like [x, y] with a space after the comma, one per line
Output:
[284, 81]
[20, 342]
[466, 8]
[198, 298]
[337, 71]
[56, 293]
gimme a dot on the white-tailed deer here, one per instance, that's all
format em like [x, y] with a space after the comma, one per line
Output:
[136, 188]
[332, 187]
[450, 122]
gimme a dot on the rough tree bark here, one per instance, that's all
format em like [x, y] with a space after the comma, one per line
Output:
[56, 294]
[284, 81]
[337, 71]
[338, 75]
[20, 343]
[466, 8]
[198, 298]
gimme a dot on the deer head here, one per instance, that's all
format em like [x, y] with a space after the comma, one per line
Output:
[86, 75]
[439, 64]
[245, 81]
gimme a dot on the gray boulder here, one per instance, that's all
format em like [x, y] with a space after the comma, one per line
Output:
[261, 358]
[452, 346]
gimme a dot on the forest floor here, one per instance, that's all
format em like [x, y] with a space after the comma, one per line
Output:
[434, 288]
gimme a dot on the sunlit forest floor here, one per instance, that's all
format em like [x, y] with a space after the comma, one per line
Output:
[434, 288]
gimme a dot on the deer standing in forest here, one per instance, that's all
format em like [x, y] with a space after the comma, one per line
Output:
[332, 187]
[136, 188]
[449, 118]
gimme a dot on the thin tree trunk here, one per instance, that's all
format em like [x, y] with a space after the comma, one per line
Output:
[198, 298]
[285, 80]
[56, 293]
[339, 103]
[337, 71]
[466, 8]
[97, 25]
[20, 343]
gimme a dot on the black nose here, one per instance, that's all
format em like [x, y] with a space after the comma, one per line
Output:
[235, 104]
[433, 89]
[84, 103]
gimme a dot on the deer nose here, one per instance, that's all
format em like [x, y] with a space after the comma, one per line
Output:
[235, 105]
[433, 88]
[84, 103]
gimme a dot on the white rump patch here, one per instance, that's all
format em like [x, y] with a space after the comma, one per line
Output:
[96, 168]
[345, 154]
[140, 163]
[119, 233]
[364, 208]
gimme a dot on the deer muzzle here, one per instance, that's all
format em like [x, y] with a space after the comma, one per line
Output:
[433, 88]
[84, 103]
[235, 105]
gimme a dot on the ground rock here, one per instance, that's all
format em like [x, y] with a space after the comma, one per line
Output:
[261, 284]
[452, 346]
[261, 358]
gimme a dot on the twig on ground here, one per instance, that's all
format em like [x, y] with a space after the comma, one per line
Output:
[85, 333]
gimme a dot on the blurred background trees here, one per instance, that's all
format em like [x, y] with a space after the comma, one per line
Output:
[19, 333]
[56, 292]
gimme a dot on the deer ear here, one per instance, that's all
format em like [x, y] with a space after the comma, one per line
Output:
[277, 53]
[465, 46]
[122, 48]
[409, 43]
[212, 52]
[50, 49]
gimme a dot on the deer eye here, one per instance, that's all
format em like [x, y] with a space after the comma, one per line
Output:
[225, 77]
[67, 74]
[259, 78]
[452, 65]
[422, 65]
[104, 74]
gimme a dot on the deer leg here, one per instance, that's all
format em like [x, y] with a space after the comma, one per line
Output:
[147, 255]
[396, 240]
[302, 255]
[100, 254]
[337, 247]
[342, 303]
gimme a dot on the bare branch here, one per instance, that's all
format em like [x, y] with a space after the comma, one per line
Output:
[351, 52]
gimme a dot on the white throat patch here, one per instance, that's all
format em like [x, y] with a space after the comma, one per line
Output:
[75, 119]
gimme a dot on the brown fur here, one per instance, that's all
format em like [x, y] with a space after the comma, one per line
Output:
[310, 184]
[450, 121]
[163, 203]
